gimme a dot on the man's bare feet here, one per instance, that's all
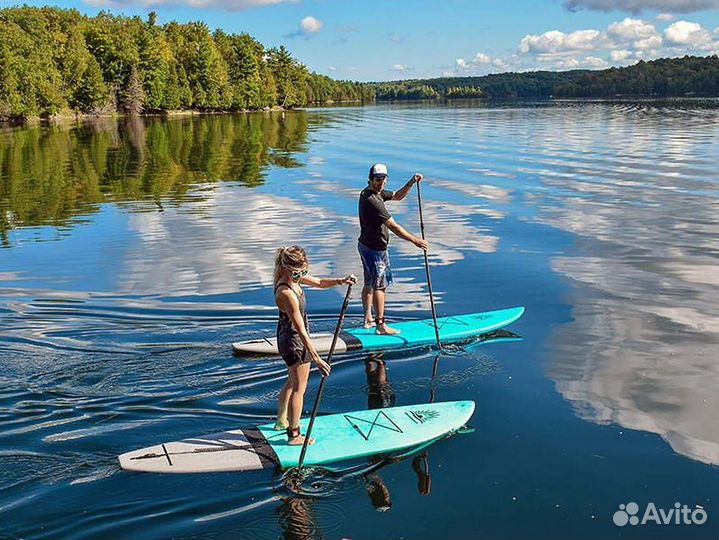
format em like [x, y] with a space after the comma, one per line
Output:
[300, 440]
[295, 438]
[383, 329]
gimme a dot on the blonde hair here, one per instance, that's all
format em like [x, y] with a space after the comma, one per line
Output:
[293, 257]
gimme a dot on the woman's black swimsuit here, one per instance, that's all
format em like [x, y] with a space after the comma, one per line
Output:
[289, 342]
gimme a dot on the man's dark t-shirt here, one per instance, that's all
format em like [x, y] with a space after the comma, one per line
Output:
[373, 215]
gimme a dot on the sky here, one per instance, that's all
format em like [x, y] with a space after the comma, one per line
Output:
[377, 40]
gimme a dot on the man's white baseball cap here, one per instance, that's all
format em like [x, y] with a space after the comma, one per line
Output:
[378, 169]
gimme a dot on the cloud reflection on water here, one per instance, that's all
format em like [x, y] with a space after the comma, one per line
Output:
[641, 350]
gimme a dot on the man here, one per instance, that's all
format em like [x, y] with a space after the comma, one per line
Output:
[375, 222]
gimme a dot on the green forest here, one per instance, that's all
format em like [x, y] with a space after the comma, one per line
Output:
[55, 60]
[667, 77]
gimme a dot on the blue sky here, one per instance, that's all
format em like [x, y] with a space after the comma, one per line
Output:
[399, 39]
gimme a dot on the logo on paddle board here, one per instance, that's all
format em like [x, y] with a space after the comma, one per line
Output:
[422, 416]
[381, 420]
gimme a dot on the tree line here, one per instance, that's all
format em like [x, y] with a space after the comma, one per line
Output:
[54, 60]
[666, 77]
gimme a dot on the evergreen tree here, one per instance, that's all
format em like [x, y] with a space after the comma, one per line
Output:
[133, 96]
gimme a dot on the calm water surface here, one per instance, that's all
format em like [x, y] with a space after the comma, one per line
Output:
[132, 253]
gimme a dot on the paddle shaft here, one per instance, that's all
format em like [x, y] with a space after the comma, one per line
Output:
[426, 267]
[316, 406]
[432, 382]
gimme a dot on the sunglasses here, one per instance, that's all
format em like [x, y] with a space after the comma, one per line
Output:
[298, 274]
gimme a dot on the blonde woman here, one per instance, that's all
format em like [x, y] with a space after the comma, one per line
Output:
[293, 339]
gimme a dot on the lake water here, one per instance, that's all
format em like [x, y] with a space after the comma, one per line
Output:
[133, 252]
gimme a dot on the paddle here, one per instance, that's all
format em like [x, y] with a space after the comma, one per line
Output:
[426, 267]
[422, 459]
[322, 382]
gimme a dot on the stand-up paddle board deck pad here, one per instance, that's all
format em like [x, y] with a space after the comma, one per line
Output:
[339, 437]
[412, 333]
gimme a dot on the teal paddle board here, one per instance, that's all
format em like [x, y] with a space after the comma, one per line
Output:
[412, 333]
[339, 437]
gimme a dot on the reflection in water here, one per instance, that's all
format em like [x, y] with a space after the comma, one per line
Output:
[420, 466]
[297, 519]
[297, 516]
[378, 492]
[218, 247]
[380, 393]
[53, 175]
[642, 349]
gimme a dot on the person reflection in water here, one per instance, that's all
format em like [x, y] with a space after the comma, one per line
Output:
[379, 395]
[420, 465]
[298, 520]
[293, 338]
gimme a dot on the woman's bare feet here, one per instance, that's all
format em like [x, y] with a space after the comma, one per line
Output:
[281, 424]
[369, 323]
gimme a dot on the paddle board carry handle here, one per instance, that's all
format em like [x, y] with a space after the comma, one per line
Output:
[426, 266]
[315, 407]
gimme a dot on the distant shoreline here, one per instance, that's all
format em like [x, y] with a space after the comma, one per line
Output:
[68, 117]
[72, 116]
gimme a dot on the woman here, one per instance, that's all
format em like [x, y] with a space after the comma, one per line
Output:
[293, 339]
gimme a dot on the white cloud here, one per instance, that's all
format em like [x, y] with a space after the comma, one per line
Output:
[331, 68]
[555, 42]
[619, 55]
[500, 64]
[394, 37]
[399, 67]
[665, 17]
[228, 5]
[594, 62]
[689, 34]
[310, 25]
[481, 61]
[588, 62]
[630, 30]
[460, 63]
[640, 34]
[570, 63]
[637, 6]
